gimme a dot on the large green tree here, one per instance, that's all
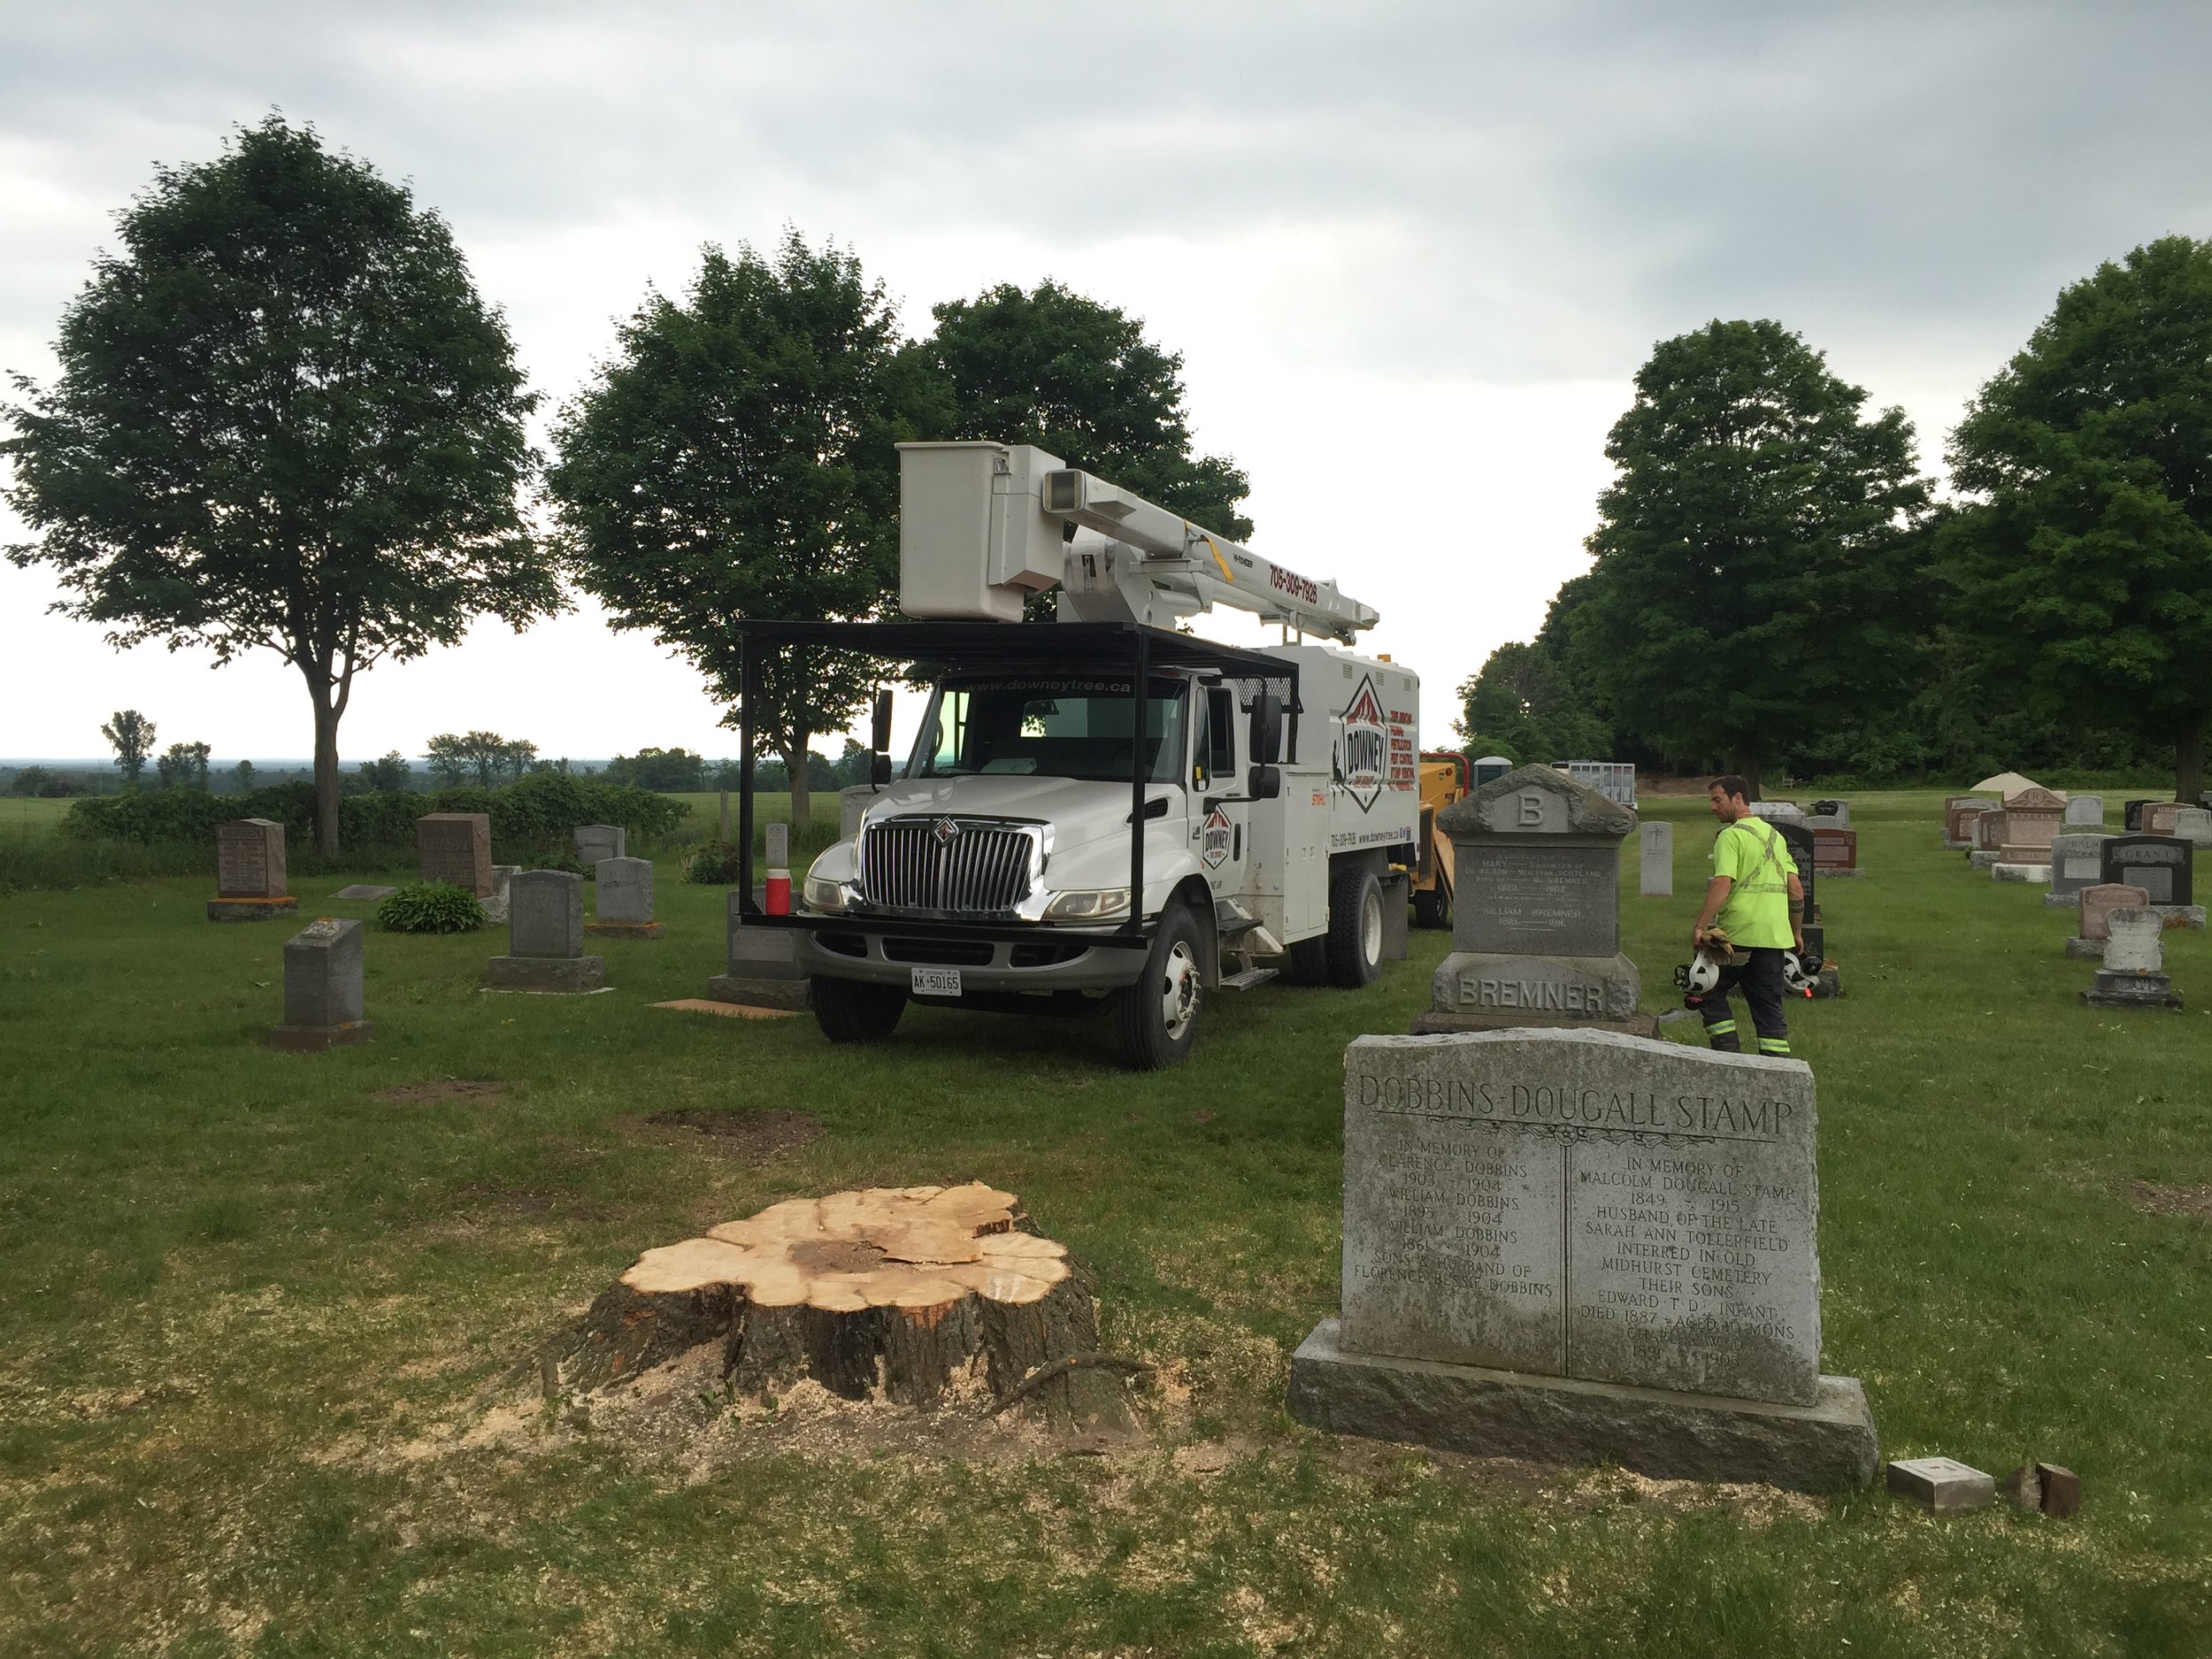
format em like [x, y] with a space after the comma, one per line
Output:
[131, 734]
[1522, 705]
[1756, 572]
[735, 460]
[1056, 369]
[2083, 557]
[284, 420]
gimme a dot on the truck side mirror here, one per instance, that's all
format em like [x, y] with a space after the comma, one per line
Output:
[880, 770]
[1265, 783]
[1267, 728]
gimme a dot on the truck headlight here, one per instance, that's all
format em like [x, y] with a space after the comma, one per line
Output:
[1086, 904]
[824, 895]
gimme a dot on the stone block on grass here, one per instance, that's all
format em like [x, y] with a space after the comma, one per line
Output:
[545, 937]
[250, 872]
[323, 989]
[1943, 1483]
[622, 900]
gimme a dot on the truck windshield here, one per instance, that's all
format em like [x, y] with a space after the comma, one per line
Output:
[1075, 727]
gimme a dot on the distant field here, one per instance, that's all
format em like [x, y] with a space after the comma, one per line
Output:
[23, 812]
[767, 809]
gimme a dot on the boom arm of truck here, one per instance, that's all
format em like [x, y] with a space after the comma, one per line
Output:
[983, 525]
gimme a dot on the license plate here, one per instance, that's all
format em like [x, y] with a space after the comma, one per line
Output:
[936, 982]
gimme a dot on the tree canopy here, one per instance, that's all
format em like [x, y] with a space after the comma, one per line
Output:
[1756, 576]
[131, 734]
[483, 758]
[2082, 562]
[1078, 378]
[735, 460]
[284, 420]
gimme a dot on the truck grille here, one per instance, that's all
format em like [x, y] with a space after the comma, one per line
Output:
[948, 866]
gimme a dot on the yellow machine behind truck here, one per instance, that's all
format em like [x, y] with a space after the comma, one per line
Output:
[1443, 780]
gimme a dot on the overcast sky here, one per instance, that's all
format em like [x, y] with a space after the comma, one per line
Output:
[1412, 255]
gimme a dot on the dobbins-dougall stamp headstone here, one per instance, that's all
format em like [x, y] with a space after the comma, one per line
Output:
[250, 876]
[322, 988]
[1536, 937]
[1577, 1245]
[455, 847]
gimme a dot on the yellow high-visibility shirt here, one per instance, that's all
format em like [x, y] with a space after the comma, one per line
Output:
[1751, 854]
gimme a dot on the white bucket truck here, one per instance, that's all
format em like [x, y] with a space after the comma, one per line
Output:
[1278, 787]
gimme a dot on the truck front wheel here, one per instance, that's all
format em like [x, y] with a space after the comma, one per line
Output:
[1356, 927]
[1156, 1019]
[853, 1010]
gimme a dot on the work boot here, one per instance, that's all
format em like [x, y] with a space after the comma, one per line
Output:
[1720, 1037]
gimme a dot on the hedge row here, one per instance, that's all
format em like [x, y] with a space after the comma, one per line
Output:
[541, 812]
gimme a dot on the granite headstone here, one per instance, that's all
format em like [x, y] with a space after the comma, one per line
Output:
[2076, 865]
[622, 899]
[2133, 974]
[1654, 859]
[250, 874]
[2085, 812]
[2163, 866]
[455, 847]
[1536, 929]
[1557, 1242]
[595, 842]
[323, 989]
[545, 937]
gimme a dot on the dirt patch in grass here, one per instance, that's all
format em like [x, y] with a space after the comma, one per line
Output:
[2196, 1202]
[749, 1135]
[444, 1088]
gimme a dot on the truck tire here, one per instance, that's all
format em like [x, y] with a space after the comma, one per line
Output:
[1310, 961]
[1156, 1019]
[854, 1010]
[1356, 927]
[1433, 908]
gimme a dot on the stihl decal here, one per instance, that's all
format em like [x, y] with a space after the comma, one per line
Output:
[1217, 843]
[1366, 745]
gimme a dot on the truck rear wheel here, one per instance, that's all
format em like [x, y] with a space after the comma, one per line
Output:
[1156, 1019]
[1356, 927]
[855, 1011]
[1433, 907]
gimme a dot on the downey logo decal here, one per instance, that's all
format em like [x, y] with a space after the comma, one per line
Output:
[1215, 847]
[1366, 745]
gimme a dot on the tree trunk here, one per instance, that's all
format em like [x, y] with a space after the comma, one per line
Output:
[1747, 768]
[801, 802]
[2189, 760]
[886, 1294]
[326, 765]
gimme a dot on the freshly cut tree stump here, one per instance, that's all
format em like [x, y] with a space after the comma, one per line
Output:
[884, 1293]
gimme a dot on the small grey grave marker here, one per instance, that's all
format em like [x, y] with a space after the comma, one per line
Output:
[2086, 811]
[1944, 1484]
[1654, 850]
[595, 842]
[622, 900]
[545, 937]
[322, 988]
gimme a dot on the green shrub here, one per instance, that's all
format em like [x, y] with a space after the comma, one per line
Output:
[711, 863]
[431, 907]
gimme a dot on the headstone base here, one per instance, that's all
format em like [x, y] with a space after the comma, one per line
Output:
[1983, 861]
[627, 930]
[1959, 847]
[316, 1039]
[2062, 900]
[2038, 875]
[250, 909]
[2086, 949]
[1438, 1022]
[1833, 874]
[2124, 988]
[1820, 1447]
[570, 974]
[785, 994]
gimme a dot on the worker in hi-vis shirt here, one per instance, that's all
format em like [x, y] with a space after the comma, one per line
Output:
[1753, 910]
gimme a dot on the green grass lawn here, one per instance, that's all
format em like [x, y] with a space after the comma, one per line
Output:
[25, 814]
[257, 1313]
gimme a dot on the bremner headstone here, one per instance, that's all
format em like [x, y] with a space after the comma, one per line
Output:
[455, 848]
[623, 900]
[322, 988]
[1654, 859]
[250, 874]
[2134, 971]
[545, 937]
[2076, 865]
[595, 842]
[1536, 931]
[1579, 1246]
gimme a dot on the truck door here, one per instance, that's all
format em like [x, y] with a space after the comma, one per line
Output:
[1221, 828]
